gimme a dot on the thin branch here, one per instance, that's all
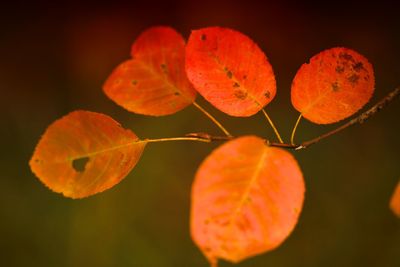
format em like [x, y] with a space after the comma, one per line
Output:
[210, 138]
[358, 120]
[205, 137]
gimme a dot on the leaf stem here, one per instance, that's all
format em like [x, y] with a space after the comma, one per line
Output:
[273, 126]
[211, 117]
[295, 128]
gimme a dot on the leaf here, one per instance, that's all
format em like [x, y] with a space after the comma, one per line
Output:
[85, 153]
[246, 199]
[154, 81]
[334, 85]
[229, 70]
[395, 201]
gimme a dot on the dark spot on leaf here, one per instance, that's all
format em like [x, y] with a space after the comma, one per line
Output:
[335, 86]
[346, 57]
[236, 84]
[134, 82]
[339, 69]
[164, 68]
[244, 77]
[176, 93]
[228, 72]
[203, 37]
[353, 78]
[80, 164]
[358, 66]
[117, 81]
[267, 94]
[240, 94]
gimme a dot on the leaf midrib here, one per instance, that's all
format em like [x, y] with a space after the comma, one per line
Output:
[252, 181]
[175, 89]
[91, 154]
[234, 79]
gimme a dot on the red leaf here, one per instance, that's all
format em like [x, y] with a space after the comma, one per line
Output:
[229, 70]
[105, 151]
[395, 201]
[334, 85]
[154, 82]
[246, 199]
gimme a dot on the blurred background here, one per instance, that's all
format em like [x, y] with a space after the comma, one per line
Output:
[54, 59]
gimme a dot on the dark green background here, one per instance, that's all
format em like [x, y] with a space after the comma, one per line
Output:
[54, 59]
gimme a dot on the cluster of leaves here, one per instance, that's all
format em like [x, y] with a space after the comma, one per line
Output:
[246, 195]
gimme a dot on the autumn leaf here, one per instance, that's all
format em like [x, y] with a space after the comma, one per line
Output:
[395, 201]
[85, 153]
[334, 85]
[246, 199]
[154, 81]
[229, 70]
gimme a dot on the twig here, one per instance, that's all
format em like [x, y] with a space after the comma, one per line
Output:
[358, 120]
[209, 137]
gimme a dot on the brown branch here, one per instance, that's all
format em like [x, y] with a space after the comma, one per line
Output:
[358, 120]
[209, 137]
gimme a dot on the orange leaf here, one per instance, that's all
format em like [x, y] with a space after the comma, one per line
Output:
[154, 82]
[229, 70]
[85, 153]
[395, 201]
[334, 85]
[246, 199]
